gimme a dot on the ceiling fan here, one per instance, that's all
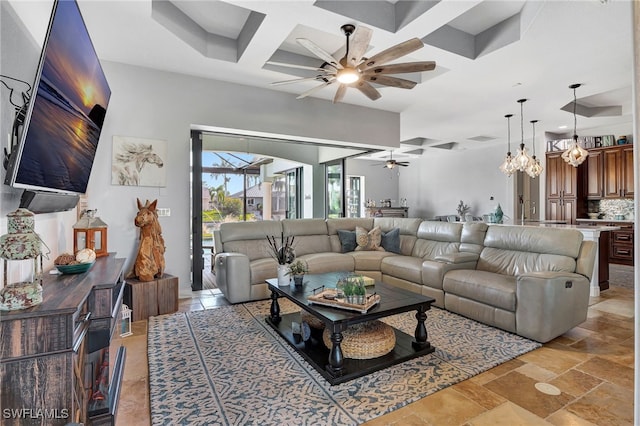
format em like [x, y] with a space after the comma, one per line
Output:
[357, 71]
[391, 163]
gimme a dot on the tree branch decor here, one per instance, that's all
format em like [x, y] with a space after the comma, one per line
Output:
[462, 208]
[284, 252]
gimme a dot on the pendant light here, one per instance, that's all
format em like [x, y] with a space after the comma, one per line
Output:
[535, 168]
[507, 167]
[522, 159]
[575, 154]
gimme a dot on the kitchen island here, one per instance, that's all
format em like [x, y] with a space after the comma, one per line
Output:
[600, 234]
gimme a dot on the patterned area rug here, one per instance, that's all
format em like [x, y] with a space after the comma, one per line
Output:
[226, 366]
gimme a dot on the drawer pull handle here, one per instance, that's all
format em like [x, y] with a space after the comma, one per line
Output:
[624, 252]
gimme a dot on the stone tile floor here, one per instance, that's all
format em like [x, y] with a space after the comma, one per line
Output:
[590, 367]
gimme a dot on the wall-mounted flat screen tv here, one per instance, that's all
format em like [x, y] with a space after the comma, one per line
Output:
[65, 115]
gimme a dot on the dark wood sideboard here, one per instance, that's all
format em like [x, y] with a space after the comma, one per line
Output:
[57, 365]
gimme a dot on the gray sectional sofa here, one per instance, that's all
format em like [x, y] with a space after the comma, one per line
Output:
[531, 281]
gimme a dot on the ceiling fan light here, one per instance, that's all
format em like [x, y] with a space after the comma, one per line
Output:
[348, 75]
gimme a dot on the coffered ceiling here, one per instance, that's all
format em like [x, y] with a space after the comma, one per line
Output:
[488, 53]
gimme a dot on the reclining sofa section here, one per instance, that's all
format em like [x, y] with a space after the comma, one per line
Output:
[527, 280]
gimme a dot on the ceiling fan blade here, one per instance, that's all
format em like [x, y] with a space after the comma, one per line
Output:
[319, 52]
[314, 89]
[392, 53]
[295, 80]
[403, 68]
[391, 81]
[300, 67]
[358, 44]
[342, 89]
[402, 164]
[368, 90]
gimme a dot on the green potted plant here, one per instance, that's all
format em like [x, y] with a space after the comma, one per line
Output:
[297, 269]
[359, 291]
[348, 290]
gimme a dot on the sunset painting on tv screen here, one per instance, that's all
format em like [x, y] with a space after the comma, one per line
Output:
[68, 108]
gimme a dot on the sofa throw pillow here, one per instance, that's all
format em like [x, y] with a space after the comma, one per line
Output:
[347, 240]
[368, 241]
[391, 241]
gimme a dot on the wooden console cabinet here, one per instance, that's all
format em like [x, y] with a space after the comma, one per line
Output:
[388, 211]
[54, 357]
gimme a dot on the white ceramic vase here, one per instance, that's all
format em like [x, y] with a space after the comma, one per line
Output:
[283, 278]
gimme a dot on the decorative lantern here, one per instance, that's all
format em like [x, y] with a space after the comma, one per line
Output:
[20, 251]
[126, 322]
[90, 232]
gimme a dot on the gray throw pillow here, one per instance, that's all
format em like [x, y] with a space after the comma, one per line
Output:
[391, 241]
[347, 240]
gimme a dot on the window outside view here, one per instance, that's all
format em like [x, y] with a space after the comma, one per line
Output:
[224, 178]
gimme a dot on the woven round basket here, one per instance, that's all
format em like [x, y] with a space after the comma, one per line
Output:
[365, 340]
[312, 320]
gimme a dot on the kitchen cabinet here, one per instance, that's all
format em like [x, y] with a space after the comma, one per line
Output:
[562, 178]
[619, 244]
[564, 184]
[562, 209]
[621, 248]
[618, 172]
[594, 186]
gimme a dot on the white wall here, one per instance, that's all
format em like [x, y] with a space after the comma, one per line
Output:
[435, 183]
[380, 183]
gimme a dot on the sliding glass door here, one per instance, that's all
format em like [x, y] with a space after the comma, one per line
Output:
[335, 188]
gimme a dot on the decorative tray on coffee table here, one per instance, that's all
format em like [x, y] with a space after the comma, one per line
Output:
[327, 297]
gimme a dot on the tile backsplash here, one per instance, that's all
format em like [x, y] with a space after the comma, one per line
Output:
[610, 208]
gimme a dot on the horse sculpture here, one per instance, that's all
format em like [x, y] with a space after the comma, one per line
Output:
[150, 260]
[129, 163]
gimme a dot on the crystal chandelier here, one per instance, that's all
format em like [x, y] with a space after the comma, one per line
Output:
[522, 159]
[507, 167]
[575, 154]
[535, 168]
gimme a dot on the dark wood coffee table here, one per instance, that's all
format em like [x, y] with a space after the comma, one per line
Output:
[331, 362]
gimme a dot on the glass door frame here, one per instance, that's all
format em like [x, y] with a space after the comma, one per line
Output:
[197, 260]
[296, 174]
[341, 163]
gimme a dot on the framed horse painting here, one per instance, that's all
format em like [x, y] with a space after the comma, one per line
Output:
[138, 162]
